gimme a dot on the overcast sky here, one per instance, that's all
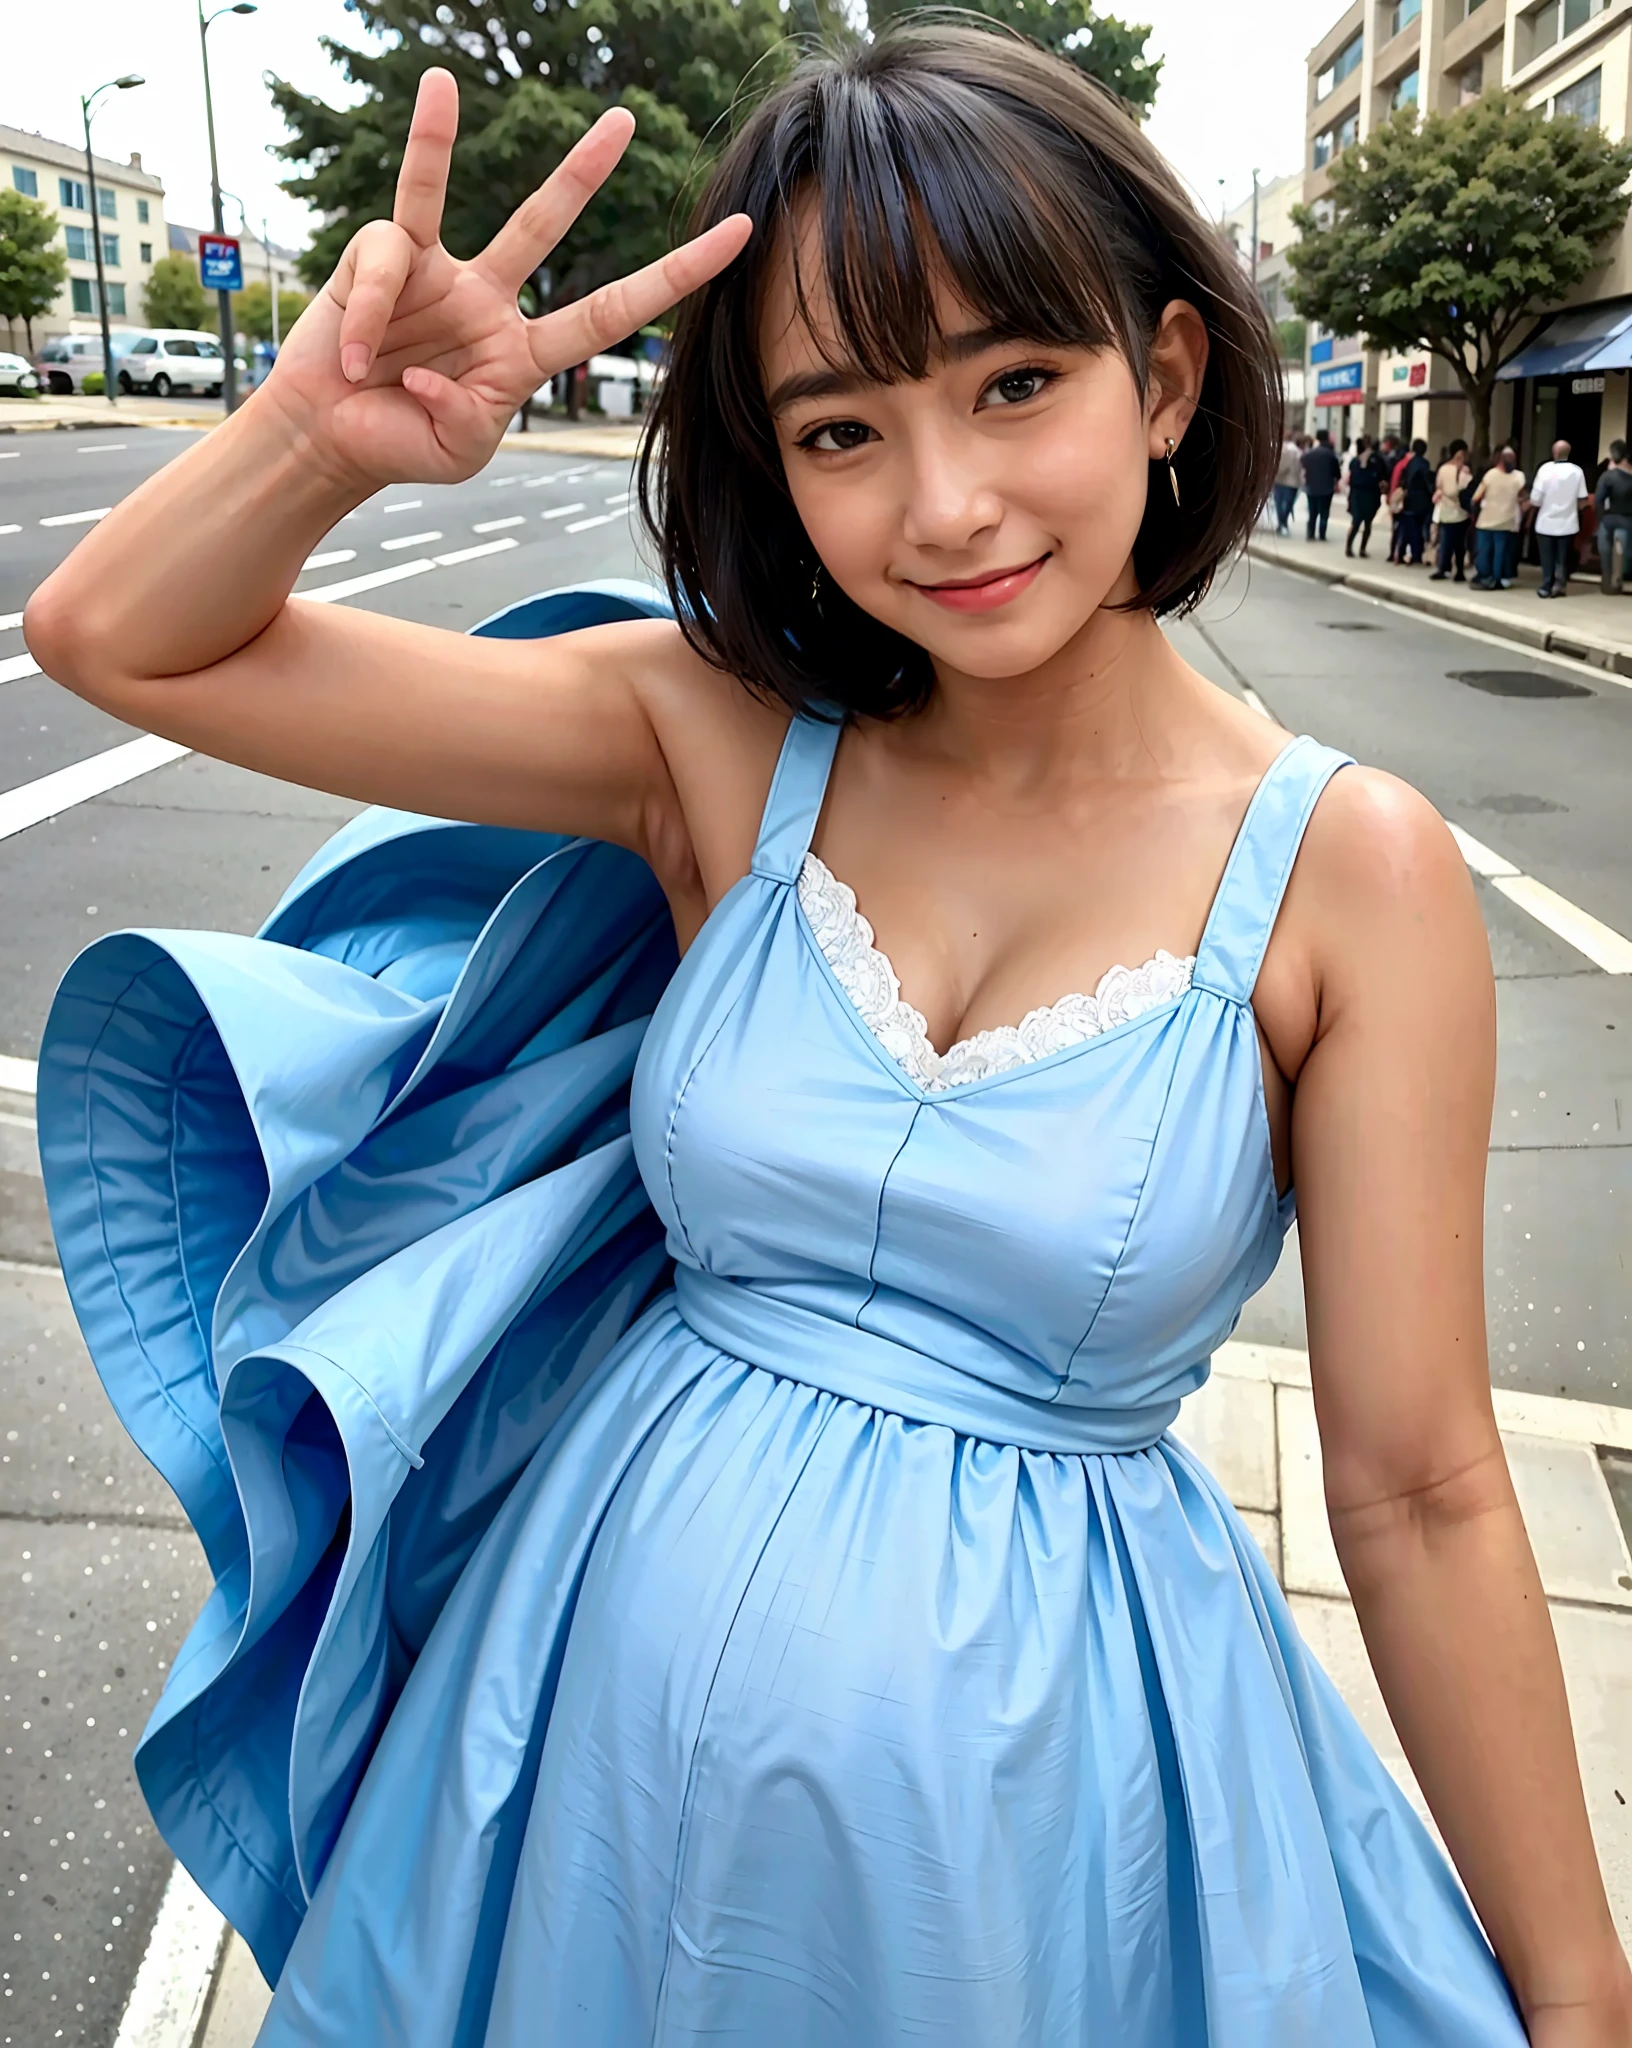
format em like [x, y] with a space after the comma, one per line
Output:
[1231, 98]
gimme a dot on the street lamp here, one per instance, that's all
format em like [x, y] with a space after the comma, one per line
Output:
[87, 102]
[229, 367]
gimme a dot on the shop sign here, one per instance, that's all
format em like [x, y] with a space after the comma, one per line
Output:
[1583, 387]
[1342, 384]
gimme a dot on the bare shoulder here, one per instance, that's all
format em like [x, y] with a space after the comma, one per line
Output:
[1380, 929]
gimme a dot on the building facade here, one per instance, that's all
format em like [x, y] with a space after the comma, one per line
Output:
[1573, 57]
[1261, 232]
[131, 224]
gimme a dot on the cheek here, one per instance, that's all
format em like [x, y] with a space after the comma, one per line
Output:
[851, 519]
[1084, 478]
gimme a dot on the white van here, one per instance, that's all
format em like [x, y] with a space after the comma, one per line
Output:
[166, 359]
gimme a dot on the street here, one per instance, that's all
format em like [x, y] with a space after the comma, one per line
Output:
[101, 1577]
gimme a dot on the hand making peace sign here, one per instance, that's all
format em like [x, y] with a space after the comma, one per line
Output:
[409, 365]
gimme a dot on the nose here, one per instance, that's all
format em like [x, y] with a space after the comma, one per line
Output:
[951, 498]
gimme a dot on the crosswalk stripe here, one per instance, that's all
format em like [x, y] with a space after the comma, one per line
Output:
[36, 801]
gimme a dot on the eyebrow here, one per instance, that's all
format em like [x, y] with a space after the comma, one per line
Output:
[838, 382]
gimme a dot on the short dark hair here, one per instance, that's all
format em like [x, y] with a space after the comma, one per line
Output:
[1419, 447]
[1617, 451]
[968, 154]
[1456, 448]
[1323, 437]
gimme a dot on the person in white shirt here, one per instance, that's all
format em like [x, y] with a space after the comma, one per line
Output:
[1557, 491]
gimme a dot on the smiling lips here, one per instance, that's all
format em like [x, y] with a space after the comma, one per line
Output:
[983, 593]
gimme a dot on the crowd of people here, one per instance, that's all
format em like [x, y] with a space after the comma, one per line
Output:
[1469, 521]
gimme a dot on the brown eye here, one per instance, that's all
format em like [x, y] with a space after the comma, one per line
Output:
[838, 436]
[1015, 387]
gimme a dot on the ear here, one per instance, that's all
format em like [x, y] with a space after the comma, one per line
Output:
[1178, 361]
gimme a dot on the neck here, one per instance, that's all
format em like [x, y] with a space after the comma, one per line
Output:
[1112, 701]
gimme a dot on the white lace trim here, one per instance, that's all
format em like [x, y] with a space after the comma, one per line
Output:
[871, 983]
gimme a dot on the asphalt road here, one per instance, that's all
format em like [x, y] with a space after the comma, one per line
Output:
[99, 1577]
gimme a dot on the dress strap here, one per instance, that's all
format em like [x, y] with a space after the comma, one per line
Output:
[1260, 865]
[795, 799]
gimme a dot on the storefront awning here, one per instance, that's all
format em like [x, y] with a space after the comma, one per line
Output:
[1585, 338]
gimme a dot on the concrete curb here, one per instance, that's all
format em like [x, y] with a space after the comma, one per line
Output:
[121, 421]
[1614, 657]
[170, 2000]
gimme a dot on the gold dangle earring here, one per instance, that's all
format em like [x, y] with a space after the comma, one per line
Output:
[1172, 473]
[816, 587]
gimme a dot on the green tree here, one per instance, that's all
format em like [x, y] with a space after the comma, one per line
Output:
[173, 296]
[1107, 49]
[533, 76]
[32, 266]
[1294, 334]
[252, 311]
[1452, 235]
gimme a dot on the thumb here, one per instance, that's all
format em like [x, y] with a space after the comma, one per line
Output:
[460, 420]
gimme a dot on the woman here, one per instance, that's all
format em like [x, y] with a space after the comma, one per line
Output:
[856, 1658]
[1453, 488]
[1367, 475]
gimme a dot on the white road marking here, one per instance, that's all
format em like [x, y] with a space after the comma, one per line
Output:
[1587, 670]
[22, 1077]
[10, 454]
[171, 1992]
[77, 518]
[488, 547]
[15, 666]
[1576, 927]
[10, 619]
[10, 529]
[499, 483]
[331, 560]
[331, 593]
[1256, 703]
[51, 794]
[583, 525]
[1603, 946]
[560, 511]
[494, 525]
[410, 540]
[102, 448]
[404, 505]
[617, 498]
[556, 476]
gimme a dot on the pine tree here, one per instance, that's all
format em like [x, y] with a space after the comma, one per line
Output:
[534, 75]
[32, 266]
[1110, 50]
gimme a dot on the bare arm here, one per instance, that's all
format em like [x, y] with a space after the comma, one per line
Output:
[1391, 1121]
[175, 612]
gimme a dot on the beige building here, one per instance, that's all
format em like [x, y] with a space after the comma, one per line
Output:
[131, 224]
[1268, 214]
[1573, 57]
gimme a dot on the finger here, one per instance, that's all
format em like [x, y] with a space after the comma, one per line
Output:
[535, 227]
[368, 283]
[589, 325]
[458, 417]
[422, 182]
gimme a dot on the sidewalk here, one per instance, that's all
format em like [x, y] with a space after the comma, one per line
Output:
[1253, 1424]
[1586, 626]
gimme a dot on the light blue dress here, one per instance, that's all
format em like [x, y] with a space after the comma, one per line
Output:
[825, 1646]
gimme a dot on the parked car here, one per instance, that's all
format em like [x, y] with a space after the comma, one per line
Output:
[166, 359]
[65, 363]
[18, 378]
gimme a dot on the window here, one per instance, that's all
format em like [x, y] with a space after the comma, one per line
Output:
[147, 346]
[1470, 80]
[1340, 67]
[79, 245]
[1405, 12]
[116, 301]
[25, 181]
[180, 346]
[84, 290]
[1323, 149]
[1579, 102]
[1348, 130]
[1559, 18]
[1405, 91]
[146, 249]
[107, 202]
[71, 193]
[141, 207]
[110, 251]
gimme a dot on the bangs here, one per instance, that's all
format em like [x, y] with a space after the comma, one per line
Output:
[918, 194]
[934, 165]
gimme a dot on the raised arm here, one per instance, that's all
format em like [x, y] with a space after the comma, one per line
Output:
[1391, 1122]
[175, 613]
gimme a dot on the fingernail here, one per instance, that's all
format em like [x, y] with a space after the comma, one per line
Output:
[354, 362]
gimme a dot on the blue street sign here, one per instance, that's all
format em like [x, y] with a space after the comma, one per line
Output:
[220, 264]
